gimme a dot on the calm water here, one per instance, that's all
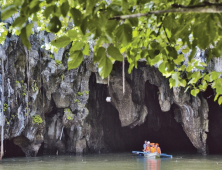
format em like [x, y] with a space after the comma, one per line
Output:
[114, 161]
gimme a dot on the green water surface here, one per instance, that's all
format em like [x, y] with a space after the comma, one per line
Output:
[114, 161]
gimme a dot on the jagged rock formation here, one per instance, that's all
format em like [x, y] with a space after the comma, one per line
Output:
[70, 105]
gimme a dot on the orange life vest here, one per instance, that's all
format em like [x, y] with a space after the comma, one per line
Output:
[158, 150]
[152, 149]
[147, 149]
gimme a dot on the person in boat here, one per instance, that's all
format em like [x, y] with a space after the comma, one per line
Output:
[158, 148]
[147, 148]
[152, 148]
[144, 145]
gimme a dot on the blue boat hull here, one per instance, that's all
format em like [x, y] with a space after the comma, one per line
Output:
[161, 155]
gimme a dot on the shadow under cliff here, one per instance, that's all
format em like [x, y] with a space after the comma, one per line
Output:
[214, 136]
[160, 127]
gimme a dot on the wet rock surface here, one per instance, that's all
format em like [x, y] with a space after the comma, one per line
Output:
[73, 115]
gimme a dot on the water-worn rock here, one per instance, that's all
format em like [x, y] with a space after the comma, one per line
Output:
[194, 115]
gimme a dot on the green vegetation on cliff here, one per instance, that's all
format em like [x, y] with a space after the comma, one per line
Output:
[136, 29]
[36, 119]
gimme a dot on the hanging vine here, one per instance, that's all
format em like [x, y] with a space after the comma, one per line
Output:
[123, 72]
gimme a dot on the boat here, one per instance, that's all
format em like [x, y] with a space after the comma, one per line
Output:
[152, 155]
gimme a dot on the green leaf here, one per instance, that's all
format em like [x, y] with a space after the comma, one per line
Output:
[189, 68]
[75, 59]
[214, 75]
[64, 8]
[203, 64]
[49, 10]
[90, 5]
[220, 100]
[19, 21]
[131, 66]
[219, 90]
[77, 45]
[192, 54]
[105, 67]
[84, 26]
[215, 98]
[29, 29]
[101, 53]
[34, 6]
[134, 22]
[73, 34]
[61, 41]
[17, 2]
[172, 52]
[54, 24]
[183, 83]
[186, 89]
[200, 67]
[124, 34]
[194, 92]
[24, 37]
[186, 50]
[162, 67]
[144, 53]
[203, 86]
[8, 12]
[86, 49]
[48, 1]
[180, 58]
[172, 82]
[208, 78]
[115, 53]
[169, 66]
[76, 16]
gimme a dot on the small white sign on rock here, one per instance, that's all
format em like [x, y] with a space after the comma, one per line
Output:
[108, 99]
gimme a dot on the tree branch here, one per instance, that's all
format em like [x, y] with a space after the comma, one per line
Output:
[211, 8]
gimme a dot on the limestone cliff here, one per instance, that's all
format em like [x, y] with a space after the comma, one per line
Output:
[74, 116]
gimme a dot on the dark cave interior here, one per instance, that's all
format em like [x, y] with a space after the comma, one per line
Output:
[159, 126]
[214, 136]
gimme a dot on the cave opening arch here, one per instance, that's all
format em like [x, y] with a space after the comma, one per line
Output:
[160, 127]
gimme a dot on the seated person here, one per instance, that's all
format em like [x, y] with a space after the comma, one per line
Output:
[153, 148]
[158, 148]
[144, 145]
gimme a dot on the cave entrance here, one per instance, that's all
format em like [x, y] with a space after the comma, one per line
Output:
[12, 150]
[214, 136]
[159, 127]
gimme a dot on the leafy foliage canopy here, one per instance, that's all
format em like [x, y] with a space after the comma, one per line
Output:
[156, 37]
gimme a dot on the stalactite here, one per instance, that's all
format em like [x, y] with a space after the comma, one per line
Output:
[123, 70]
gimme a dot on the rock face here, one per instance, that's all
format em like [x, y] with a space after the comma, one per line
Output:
[64, 111]
[194, 118]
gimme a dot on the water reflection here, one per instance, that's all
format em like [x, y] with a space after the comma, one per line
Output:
[149, 163]
[152, 163]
